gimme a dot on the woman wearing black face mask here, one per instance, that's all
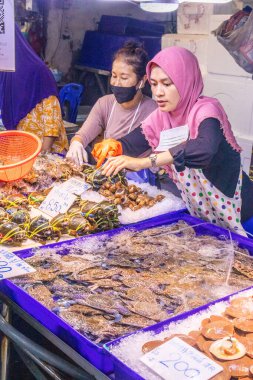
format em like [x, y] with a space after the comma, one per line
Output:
[115, 115]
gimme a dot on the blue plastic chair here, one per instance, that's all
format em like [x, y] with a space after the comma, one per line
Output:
[70, 98]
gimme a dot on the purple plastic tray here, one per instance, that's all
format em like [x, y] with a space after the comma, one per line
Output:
[122, 371]
[92, 352]
[95, 354]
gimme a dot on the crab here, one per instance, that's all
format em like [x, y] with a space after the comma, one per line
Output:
[15, 200]
[20, 217]
[79, 226]
[37, 197]
[3, 215]
[40, 229]
[61, 221]
[96, 179]
[11, 234]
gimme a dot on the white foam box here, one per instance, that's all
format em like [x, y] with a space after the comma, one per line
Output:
[246, 154]
[194, 18]
[196, 43]
[235, 94]
[219, 61]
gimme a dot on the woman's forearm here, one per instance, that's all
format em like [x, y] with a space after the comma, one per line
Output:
[164, 158]
[47, 143]
[114, 164]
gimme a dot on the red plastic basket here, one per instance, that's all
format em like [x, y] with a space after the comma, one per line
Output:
[18, 151]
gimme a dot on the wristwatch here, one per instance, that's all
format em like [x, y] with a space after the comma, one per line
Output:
[153, 158]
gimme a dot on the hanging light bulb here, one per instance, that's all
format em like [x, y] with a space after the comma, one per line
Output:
[158, 7]
[205, 1]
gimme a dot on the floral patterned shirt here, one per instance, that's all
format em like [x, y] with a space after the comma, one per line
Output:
[45, 120]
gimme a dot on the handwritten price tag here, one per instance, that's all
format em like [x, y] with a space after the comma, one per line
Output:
[176, 359]
[12, 266]
[58, 201]
[75, 186]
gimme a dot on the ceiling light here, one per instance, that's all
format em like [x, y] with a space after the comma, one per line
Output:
[205, 1]
[158, 7]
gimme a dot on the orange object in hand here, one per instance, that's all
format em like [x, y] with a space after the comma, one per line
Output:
[106, 148]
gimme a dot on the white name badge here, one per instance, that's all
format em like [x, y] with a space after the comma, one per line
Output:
[12, 266]
[172, 137]
[75, 186]
[176, 359]
[58, 201]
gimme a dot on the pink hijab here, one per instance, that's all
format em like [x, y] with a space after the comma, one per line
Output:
[183, 69]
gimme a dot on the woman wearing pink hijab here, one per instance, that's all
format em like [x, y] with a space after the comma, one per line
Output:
[191, 136]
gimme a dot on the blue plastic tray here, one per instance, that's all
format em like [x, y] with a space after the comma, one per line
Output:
[93, 353]
[122, 371]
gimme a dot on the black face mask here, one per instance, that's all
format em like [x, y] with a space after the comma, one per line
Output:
[124, 94]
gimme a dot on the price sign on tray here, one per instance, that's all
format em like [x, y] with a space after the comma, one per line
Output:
[176, 359]
[12, 266]
[58, 201]
[75, 186]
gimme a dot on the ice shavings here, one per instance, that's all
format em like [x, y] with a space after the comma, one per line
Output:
[168, 204]
[129, 349]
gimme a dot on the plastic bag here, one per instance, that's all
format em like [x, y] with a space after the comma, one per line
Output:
[236, 35]
[142, 176]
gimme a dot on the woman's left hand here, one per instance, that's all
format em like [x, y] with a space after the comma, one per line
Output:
[114, 164]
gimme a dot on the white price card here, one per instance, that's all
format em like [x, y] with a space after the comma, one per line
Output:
[172, 137]
[75, 186]
[12, 266]
[58, 201]
[176, 359]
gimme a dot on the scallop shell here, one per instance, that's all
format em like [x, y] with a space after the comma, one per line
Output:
[217, 330]
[194, 334]
[214, 318]
[244, 324]
[224, 375]
[240, 367]
[187, 339]
[242, 302]
[237, 312]
[205, 321]
[248, 342]
[151, 345]
[200, 342]
[206, 348]
[215, 349]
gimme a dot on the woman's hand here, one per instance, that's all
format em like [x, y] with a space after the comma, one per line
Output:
[77, 153]
[106, 148]
[114, 164]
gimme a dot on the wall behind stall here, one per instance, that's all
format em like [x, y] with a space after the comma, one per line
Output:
[69, 19]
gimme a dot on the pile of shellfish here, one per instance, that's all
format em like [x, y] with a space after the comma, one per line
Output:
[227, 339]
[112, 285]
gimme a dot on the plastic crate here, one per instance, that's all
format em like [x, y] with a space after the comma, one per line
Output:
[98, 48]
[123, 372]
[95, 354]
[129, 26]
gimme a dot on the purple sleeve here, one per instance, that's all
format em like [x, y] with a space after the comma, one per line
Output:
[93, 125]
[198, 153]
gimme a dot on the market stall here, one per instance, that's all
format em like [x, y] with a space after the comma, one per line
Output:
[86, 292]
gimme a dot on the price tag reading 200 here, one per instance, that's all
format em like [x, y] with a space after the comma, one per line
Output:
[176, 359]
[12, 266]
[58, 201]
